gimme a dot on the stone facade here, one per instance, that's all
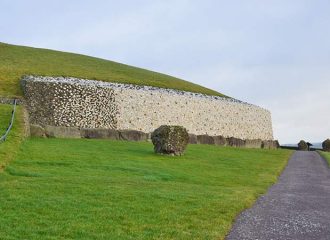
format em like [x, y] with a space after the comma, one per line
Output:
[71, 102]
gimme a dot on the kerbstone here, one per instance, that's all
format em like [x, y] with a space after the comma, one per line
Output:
[256, 143]
[220, 140]
[235, 142]
[100, 133]
[62, 132]
[192, 139]
[205, 139]
[37, 131]
[270, 144]
[133, 135]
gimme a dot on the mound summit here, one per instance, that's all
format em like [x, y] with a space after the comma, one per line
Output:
[16, 61]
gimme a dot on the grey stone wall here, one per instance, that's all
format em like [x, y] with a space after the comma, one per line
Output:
[71, 102]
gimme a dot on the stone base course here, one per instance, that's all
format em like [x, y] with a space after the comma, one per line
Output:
[138, 136]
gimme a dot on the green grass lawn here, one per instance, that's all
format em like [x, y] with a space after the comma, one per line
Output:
[16, 61]
[101, 189]
[9, 148]
[326, 155]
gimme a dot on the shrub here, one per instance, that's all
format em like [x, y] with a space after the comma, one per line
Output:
[302, 146]
[326, 145]
[171, 140]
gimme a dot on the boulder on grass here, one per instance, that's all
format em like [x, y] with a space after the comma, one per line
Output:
[326, 145]
[171, 140]
[302, 146]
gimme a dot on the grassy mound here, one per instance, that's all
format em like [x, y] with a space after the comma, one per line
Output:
[99, 189]
[16, 61]
[9, 148]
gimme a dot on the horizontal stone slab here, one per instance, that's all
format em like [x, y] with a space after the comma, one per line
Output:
[62, 132]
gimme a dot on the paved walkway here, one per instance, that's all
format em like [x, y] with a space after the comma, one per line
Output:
[297, 207]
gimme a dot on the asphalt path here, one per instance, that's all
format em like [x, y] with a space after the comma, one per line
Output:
[296, 207]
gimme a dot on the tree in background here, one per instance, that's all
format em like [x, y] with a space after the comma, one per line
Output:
[326, 145]
[302, 146]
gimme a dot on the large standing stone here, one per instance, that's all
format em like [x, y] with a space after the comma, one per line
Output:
[171, 140]
[326, 145]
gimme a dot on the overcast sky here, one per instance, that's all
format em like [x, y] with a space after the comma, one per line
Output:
[272, 53]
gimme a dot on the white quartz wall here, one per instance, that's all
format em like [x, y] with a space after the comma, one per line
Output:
[145, 111]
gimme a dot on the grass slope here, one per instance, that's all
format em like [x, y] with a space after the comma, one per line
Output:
[99, 189]
[9, 148]
[326, 155]
[16, 61]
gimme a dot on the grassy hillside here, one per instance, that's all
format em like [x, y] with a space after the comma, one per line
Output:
[9, 148]
[99, 189]
[16, 61]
